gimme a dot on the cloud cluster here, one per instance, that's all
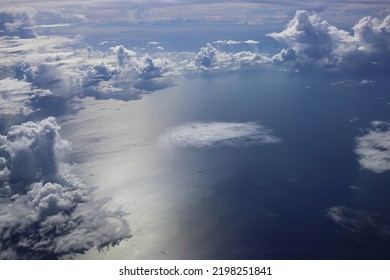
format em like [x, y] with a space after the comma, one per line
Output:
[47, 76]
[46, 212]
[214, 134]
[130, 76]
[210, 57]
[309, 40]
[13, 22]
[51, 65]
[317, 42]
[314, 39]
[373, 149]
[356, 221]
[373, 35]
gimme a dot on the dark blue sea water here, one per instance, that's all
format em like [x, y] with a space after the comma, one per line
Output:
[270, 202]
[265, 201]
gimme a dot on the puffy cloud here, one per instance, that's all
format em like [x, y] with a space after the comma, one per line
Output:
[373, 149]
[315, 39]
[46, 212]
[123, 54]
[373, 34]
[357, 221]
[320, 43]
[98, 73]
[129, 78]
[317, 42]
[144, 67]
[212, 134]
[206, 56]
[50, 76]
[149, 68]
[284, 56]
[13, 22]
[210, 57]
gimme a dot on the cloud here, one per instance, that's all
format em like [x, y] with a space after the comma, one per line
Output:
[123, 54]
[373, 34]
[373, 149]
[357, 221]
[213, 134]
[101, 72]
[51, 63]
[284, 56]
[49, 25]
[131, 76]
[13, 22]
[210, 57]
[317, 42]
[48, 76]
[228, 42]
[234, 42]
[206, 56]
[353, 83]
[16, 96]
[251, 42]
[14, 51]
[46, 212]
[314, 39]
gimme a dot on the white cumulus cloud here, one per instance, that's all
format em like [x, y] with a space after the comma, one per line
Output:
[45, 211]
[318, 42]
[212, 134]
[373, 34]
[373, 149]
[128, 76]
[210, 57]
[314, 39]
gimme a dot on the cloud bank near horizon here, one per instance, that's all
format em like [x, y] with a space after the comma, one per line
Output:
[52, 64]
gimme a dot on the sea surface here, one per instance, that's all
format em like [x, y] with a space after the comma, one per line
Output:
[255, 201]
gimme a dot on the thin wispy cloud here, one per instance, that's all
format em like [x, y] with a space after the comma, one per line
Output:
[215, 134]
[357, 221]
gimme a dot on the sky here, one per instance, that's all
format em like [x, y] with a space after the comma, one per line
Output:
[57, 54]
